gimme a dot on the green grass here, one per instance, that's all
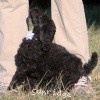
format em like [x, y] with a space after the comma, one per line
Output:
[94, 41]
[93, 22]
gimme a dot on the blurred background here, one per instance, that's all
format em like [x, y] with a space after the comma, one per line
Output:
[91, 2]
[92, 10]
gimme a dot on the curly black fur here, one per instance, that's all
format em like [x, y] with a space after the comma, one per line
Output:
[39, 58]
[92, 62]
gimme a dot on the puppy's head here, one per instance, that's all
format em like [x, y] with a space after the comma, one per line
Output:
[44, 28]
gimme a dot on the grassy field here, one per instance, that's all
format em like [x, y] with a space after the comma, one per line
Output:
[93, 22]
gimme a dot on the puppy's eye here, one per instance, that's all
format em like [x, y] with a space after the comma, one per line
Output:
[40, 17]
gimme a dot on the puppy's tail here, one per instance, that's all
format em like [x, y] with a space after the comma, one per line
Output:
[88, 67]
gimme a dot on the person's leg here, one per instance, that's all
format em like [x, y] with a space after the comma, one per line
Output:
[71, 33]
[13, 27]
[70, 21]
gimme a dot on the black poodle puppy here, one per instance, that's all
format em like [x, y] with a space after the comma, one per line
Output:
[38, 60]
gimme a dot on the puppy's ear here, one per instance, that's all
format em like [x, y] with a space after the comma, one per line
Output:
[47, 34]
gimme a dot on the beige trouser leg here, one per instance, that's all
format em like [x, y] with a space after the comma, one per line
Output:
[70, 21]
[13, 27]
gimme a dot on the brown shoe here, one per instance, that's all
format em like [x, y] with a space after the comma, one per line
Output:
[83, 87]
[2, 71]
[2, 74]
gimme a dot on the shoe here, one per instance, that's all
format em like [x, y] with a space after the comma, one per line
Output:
[2, 71]
[2, 88]
[2, 85]
[83, 87]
